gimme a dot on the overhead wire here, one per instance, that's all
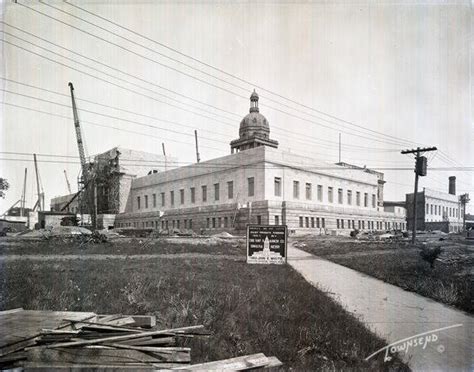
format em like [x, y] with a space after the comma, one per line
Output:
[203, 81]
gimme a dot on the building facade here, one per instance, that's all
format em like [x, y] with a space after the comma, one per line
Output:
[436, 210]
[258, 183]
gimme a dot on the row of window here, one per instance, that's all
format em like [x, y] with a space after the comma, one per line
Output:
[165, 224]
[439, 210]
[315, 222]
[192, 194]
[330, 193]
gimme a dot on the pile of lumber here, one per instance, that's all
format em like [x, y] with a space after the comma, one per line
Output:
[59, 341]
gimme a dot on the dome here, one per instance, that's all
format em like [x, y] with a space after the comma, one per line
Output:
[254, 123]
[254, 129]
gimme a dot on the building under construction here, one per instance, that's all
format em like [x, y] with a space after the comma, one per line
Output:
[113, 172]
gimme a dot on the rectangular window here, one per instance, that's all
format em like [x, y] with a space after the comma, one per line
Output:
[349, 197]
[181, 196]
[373, 201]
[358, 199]
[146, 201]
[353, 224]
[317, 222]
[337, 222]
[312, 222]
[204, 193]
[277, 186]
[190, 224]
[208, 222]
[138, 202]
[185, 224]
[216, 191]
[259, 220]
[251, 186]
[277, 220]
[162, 225]
[177, 224]
[323, 222]
[154, 200]
[339, 196]
[230, 189]
[363, 225]
[296, 189]
[359, 224]
[308, 191]
[213, 222]
[162, 199]
[342, 224]
[320, 193]
[330, 195]
[427, 208]
[193, 195]
[172, 197]
[219, 222]
[301, 221]
[366, 199]
[167, 225]
[307, 221]
[226, 221]
[174, 224]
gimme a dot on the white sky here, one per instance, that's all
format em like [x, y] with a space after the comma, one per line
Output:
[401, 68]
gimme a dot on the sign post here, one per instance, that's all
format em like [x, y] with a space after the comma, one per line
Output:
[266, 244]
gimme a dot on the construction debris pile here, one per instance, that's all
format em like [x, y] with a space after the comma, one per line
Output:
[45, 340]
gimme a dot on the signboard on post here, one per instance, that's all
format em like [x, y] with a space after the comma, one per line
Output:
[266, 244]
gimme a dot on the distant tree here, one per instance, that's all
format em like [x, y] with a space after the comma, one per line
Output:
[4, 186]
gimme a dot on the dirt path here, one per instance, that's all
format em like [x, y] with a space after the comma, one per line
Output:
[395, 314]
[65, 257]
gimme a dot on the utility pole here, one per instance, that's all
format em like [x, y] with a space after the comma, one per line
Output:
[197, 146]
[164, 154]
[421, 167]
[464, 200]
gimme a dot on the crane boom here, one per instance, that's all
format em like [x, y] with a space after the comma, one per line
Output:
[88, 178]
[67, 182]
[23, 195]
[40, 207]
[80, 143]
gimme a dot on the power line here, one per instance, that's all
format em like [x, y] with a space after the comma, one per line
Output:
[210, 66]
[139, 93]
[213, 85]
[102, 125]
[252, 166]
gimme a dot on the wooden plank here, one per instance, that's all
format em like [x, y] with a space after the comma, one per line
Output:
[126, 337]
[168, 354]
[77, 367]
[144, 321]
[241, 363]
[273, 363]
[148, 341]
[11, 311]
[8, 349]
[89, 355]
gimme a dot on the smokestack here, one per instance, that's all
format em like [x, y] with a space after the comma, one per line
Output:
[452, 185]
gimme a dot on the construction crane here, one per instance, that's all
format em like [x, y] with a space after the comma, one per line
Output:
[40, 202]
[87, 177]
[67, 182]
[23, 195]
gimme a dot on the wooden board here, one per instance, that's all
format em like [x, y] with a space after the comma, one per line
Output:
[241, 363]
[19, 325]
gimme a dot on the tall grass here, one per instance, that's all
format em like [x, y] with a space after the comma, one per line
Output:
[247, 308]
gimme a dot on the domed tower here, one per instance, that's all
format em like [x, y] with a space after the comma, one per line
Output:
[254, 129]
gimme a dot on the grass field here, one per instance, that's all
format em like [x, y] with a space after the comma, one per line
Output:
[400, 264]
[248, 308]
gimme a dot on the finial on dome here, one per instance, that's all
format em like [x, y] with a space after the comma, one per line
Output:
[254, 102]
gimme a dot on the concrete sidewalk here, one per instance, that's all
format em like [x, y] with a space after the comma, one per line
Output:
[395, 314]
